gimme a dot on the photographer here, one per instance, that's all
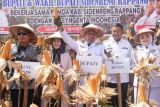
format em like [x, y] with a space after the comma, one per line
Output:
[157, 37]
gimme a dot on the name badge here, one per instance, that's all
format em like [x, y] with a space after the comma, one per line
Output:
[118, 65]
[29, 67]
[90, 64]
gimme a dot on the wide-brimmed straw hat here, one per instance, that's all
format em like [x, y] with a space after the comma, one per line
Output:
[14, 30]
[49, 39]
[142, 31]
[96, 28]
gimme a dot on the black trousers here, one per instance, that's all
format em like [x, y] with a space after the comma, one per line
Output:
[114, 99]
[36, 100]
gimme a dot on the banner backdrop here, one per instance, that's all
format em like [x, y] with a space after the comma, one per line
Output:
[38, 13]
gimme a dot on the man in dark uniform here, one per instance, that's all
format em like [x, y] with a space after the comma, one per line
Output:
[23, 50]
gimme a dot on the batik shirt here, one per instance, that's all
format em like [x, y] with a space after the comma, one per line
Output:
[21, 53]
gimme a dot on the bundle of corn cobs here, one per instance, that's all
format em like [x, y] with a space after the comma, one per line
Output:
[90, 92]
[50, 77]
[145, 69]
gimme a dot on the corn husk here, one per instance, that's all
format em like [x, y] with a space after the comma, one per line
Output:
[3, 64]
[84, 95]
[142, 104]
[6, 104]
[39, 41]
[44, 72]
[129, 35]
[33, 105]
[145, 104]
[48, 92]
[70, 76]
[5, 82]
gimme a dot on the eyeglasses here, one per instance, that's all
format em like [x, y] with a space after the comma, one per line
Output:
[22, 33]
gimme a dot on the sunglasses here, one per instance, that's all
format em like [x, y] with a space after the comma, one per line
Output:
[22, 33]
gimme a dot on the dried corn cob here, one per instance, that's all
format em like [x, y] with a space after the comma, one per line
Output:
[76, 64]
[6, 50]
[92, 82]
[97, 77]
[129, 35]
[59, 84]
[39, 41]
[55, 9]
[104, 70]
[142, 92]
[47, 58]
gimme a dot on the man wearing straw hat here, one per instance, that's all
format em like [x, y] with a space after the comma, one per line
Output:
[90, 43]
[23, 50]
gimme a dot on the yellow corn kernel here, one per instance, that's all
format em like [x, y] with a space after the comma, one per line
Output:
[142, 92]
[76, 64]
[97, 77]
[55, 9]
[39, 41]
[104, 70]
[47, 58]
[92, 82]
[6, 50]
[59, 84]
[129, 35]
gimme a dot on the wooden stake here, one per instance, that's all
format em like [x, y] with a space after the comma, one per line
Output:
[137, 91]
[19, 94]
[25, 98]
[1, 73]
[119, 90]
[149, 90]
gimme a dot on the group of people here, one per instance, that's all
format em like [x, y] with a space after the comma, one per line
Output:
[89, 44]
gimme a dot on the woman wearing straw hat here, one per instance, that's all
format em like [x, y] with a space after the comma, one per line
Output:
[145, 50]
[59, 55]
[23, 50]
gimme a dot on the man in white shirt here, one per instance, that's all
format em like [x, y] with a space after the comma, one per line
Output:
[90, 43]
[118, 48]
[150, 18]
